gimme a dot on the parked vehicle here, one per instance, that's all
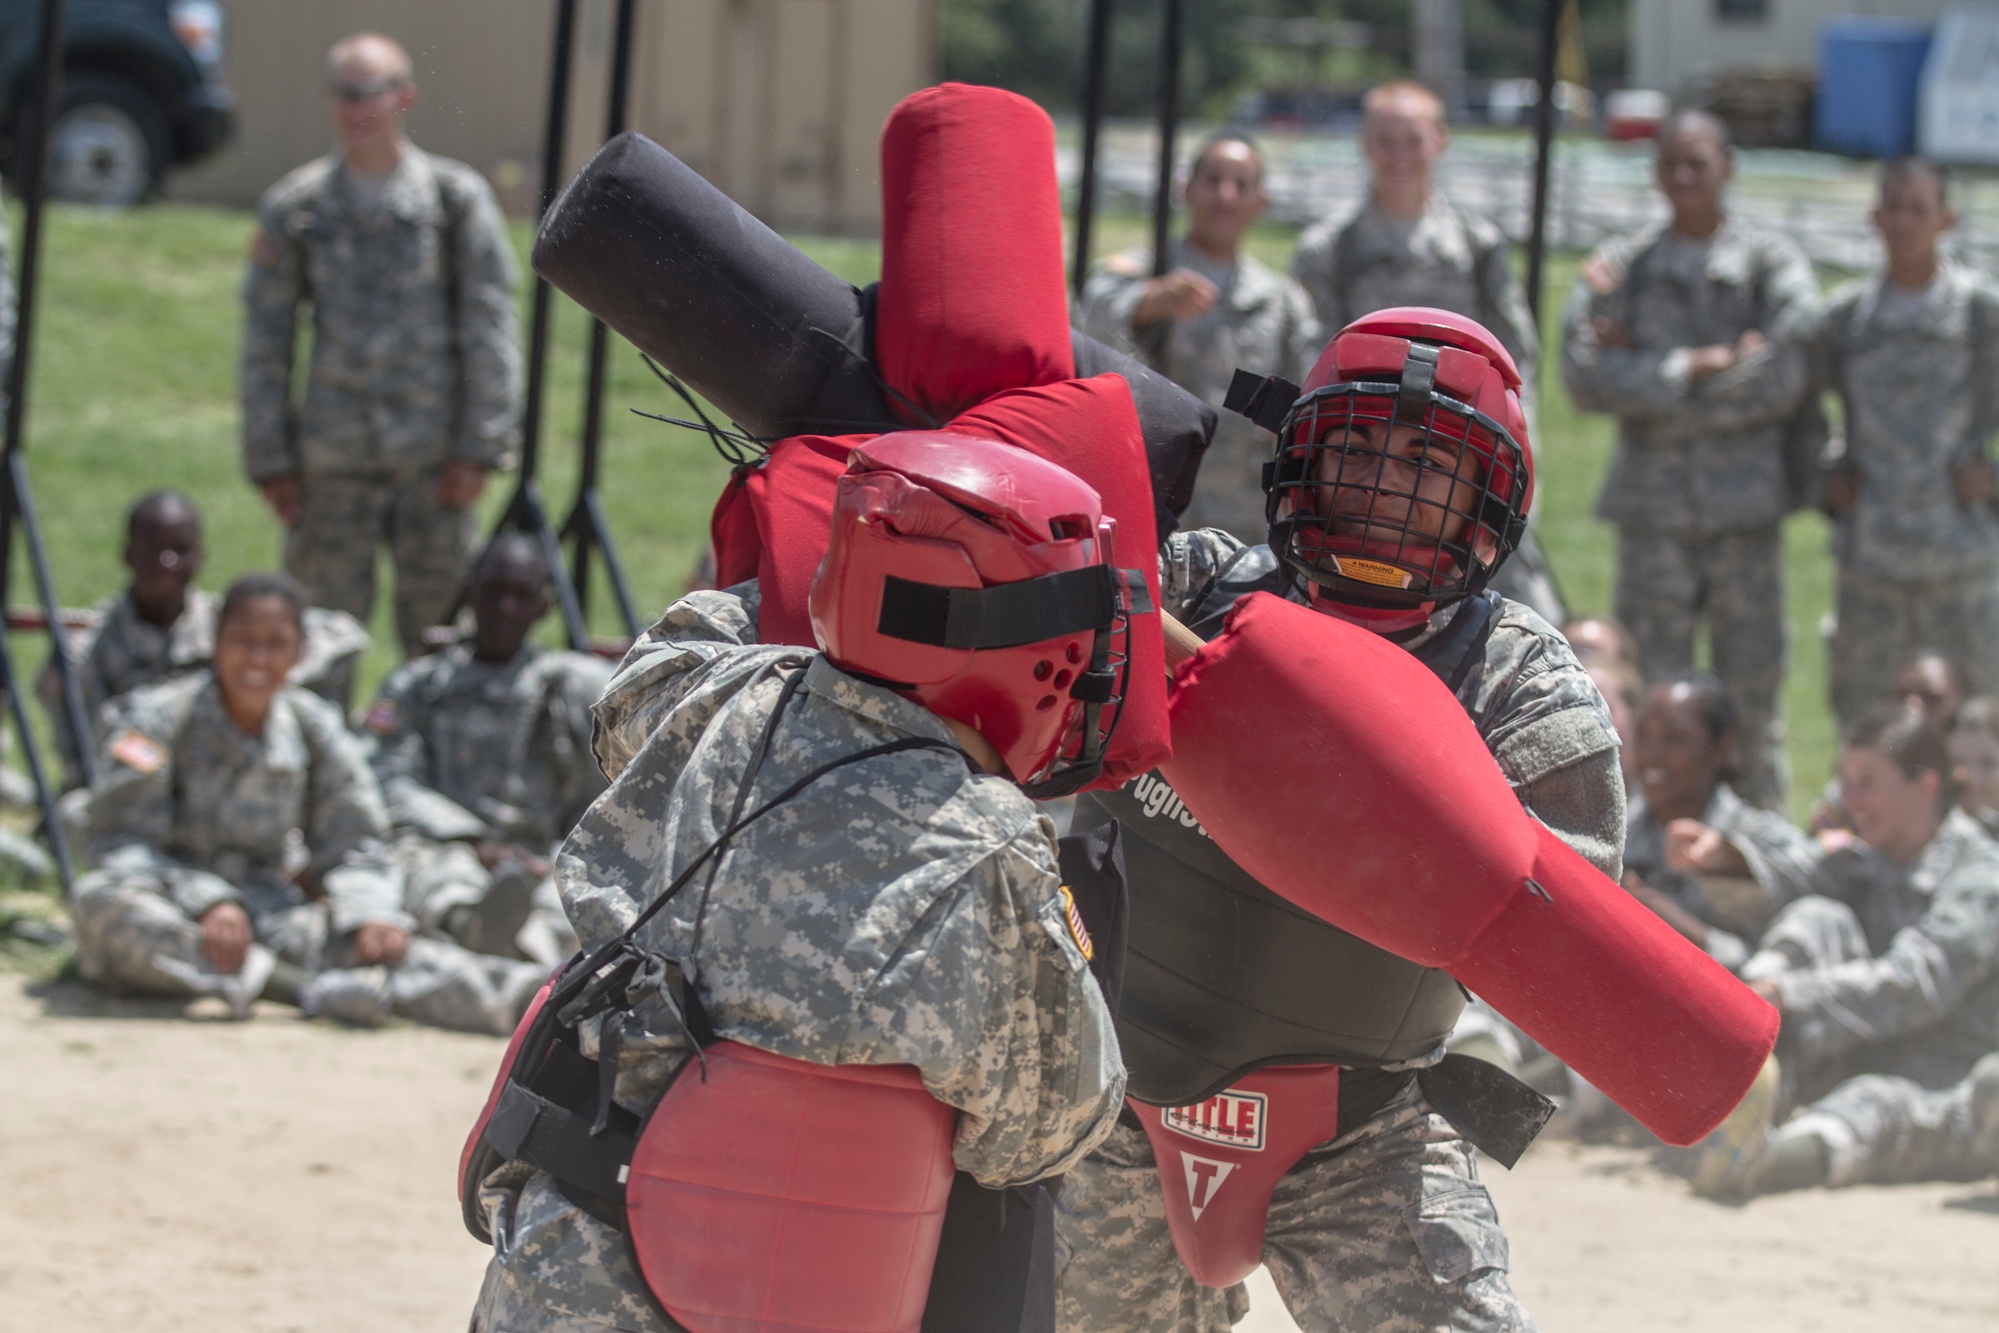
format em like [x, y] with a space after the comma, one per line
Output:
[142, 92]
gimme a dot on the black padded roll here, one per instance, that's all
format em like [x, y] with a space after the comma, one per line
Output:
[671, 263]
[640, 240]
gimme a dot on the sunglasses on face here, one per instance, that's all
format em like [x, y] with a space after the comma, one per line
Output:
[353, 94]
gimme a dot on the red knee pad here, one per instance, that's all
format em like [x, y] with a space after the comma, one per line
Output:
[1336, 769]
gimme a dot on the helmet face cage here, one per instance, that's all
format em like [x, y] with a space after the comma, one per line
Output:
[1100, 688]
[1376, 506]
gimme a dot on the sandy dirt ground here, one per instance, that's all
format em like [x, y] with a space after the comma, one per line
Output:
[170, 1172]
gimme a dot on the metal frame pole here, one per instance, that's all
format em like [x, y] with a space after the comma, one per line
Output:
[585, 527]
[527, 511]
[1096, 54]
[19, 494]
[1544, 151]
[1169, 123]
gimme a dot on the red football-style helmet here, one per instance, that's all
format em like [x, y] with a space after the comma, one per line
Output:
[977, 579]
[1403, 470]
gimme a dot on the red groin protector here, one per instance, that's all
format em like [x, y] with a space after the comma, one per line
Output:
[779, 1196]
[1341, 773]
[468, 1156]
[1219, 1160]
[972, 298]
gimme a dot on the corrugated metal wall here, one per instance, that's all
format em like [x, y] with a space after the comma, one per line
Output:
[780, 102]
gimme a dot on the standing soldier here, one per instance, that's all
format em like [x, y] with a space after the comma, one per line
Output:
[483, 752]
[1409, 245]
[412, 395]
[1216, 310]
[1914, 355]
[1686, 334]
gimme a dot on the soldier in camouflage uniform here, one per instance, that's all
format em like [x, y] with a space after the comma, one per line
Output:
[483, 753]
[412, 393]
[1713, 866]
[1215, 311]
[904, 910]
[1687, 334]
[232, 852]
[1409, 245]
[164, 626]
[1887, 976]
[1914, 355]
[1386, 1227]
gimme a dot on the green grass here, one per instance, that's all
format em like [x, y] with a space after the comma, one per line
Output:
[134, 388]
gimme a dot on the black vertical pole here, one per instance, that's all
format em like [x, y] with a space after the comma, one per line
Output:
[1096, 54]
[33, 157]
[526, 510]
[585, 525]
[1544, 151]
[1169, 122]
[551, 180]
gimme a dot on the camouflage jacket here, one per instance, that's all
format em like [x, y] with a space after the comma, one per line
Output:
[123, 650]
[414, 353]
[1934, 930]
[1262, 322]
[1535, 706]
[215, 814]
[1918, 377]
[1704, 456]
[1737, 908]
[1449, 259]
[901, 911]
[468, 749]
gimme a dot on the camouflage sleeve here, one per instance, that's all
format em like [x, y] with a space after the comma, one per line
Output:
[1635, 384]
[1503, 309]
[1304, 339]
[488, 341]
[128, 821]
[1188, 561]
[1582, 802]
[392, 733]
[1985, 368]
[668, 662]
[346, 822]
[1760, 390]
[1781, 856]
[1923, 975]
[1312, 264]
[1110, 298]
[1043, 1081]
[274, 286]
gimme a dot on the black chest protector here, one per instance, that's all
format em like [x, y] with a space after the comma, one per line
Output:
[1222, 975]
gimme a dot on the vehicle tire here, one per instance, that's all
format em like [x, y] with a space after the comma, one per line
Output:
[112, 143]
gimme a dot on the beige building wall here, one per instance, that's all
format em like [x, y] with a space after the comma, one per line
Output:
[1675, 42]
[779, 102]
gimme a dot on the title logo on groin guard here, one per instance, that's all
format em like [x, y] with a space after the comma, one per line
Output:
[1233, 1119]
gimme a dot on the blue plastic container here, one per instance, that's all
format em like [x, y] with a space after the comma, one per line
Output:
[1869, 72]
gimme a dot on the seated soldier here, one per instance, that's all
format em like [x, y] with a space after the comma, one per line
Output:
[1714, 867]
[1974, 760]
[1930, 683]
[1885, 977]
[234, 834]
[483, 753]
[162, 625]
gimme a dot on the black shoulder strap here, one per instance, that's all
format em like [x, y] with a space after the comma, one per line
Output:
[1461, 644]
[1252, 569]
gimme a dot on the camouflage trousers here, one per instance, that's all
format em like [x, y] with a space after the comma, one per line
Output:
[1878, 1129]
[1386, 1228]
[1817, 1056]
[1668, 582]
[440, 876]
[124, 924]
[346, 518]
[1881, 621]
[555, 1268]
